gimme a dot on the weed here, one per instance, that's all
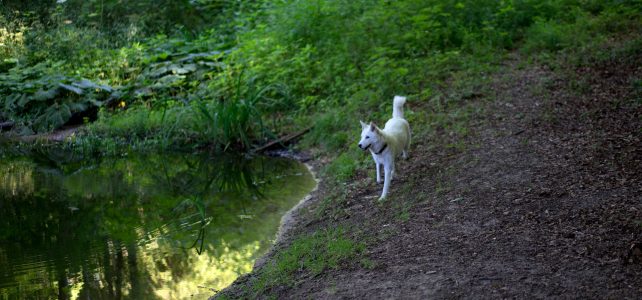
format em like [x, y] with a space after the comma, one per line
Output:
[367, 263]
[311, 254]
[344, 166]
[404, 207]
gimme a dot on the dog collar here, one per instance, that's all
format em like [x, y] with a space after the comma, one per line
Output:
[382, 148]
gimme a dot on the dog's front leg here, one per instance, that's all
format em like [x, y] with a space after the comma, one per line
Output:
[378, 171]
[387, 171]
[378, 165]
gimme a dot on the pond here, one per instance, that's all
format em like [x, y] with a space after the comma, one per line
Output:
[165, 226]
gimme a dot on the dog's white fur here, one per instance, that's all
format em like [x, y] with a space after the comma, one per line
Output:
[388, 143]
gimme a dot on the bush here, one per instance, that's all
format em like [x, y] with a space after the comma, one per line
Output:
[69, 43]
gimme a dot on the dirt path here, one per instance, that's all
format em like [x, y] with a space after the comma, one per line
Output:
[545, 201]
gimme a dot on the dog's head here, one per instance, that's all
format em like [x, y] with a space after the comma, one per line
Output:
[370, 135]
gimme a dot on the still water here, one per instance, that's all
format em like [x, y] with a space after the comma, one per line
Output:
[138, 227]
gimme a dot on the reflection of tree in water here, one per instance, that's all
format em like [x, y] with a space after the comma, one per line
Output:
[220, 181]
[91, 231]
[44, 224]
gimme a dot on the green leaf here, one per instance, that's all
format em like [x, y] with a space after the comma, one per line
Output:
[65, 113]
[77, 107]
[185, 69]
[10, 102]
[93, 102]
[23, 100]
[71, 88]
[168, 80]
[42, 95]
[88, 84]
[55, 120]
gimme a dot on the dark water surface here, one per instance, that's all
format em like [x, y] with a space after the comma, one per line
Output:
[133, 227]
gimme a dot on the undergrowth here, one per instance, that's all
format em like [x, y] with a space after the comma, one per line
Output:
[232, 75]
[311, 254]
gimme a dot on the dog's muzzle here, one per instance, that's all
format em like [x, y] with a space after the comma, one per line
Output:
[362, 148]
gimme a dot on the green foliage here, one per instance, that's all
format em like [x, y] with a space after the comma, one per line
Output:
[11, 42]
[575, 28]
[66, 42]
[235, 70]
[49, 99]
[220, 120]
[329, 132]
[235, 120]
[311, 254]
[345, 165]
[545, 35]
[131, 19]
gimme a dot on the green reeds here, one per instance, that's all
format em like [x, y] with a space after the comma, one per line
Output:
[235, 119]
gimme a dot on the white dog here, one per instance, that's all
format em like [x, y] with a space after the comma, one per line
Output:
[387, 143]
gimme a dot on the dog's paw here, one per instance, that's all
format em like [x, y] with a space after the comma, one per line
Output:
[382, 199]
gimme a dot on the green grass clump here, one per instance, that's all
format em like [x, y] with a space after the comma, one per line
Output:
[344, 166]
[310, 254]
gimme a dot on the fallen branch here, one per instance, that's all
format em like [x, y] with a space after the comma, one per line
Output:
[282, 141]
[6, 125]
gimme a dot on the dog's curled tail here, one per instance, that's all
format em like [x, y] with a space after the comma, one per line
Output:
[397, 106]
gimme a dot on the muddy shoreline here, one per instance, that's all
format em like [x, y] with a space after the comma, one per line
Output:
[292, 217]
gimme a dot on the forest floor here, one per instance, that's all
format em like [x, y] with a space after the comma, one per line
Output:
[543, 199]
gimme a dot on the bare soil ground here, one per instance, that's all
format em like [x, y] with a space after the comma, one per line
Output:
[545, 201]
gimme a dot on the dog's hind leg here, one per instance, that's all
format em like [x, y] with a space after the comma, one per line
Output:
[406, 147]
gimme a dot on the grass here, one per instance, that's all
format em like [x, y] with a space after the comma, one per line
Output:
[345, 165]
[332, 204]
[403, 207]
[311, 254]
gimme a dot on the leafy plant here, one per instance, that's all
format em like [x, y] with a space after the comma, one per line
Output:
[49, 99]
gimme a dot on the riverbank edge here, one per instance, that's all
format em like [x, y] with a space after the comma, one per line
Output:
[294, 218]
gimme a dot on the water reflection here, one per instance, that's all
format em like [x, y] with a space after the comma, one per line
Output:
[133, 227]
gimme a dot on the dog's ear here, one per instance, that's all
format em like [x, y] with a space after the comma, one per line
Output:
[373, 127]
[363, 124]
